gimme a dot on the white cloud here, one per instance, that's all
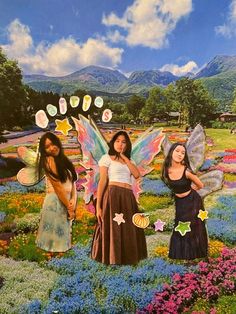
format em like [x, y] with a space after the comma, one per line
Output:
[228, 29]
[148, 23]
[19, 38]
[177, 70]
[60, 58]
[115, 36]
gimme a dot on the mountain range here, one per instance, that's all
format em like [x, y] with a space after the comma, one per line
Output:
[218, 76]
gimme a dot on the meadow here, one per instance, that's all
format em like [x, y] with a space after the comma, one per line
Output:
[34, 281]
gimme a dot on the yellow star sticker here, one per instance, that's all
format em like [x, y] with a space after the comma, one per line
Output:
[63, 126]
[203, 214]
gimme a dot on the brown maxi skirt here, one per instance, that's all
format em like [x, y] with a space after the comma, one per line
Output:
[122, 244]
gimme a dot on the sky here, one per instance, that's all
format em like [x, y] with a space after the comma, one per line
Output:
[59, 37]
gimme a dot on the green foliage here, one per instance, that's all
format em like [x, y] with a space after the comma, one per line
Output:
[221, 87]
[156, 104]
[120, 114]
[233, 105]
[223, 125]
[23, 247]
[134, 105]
[158, 207]
[12, 94]
[195, 103]
[224, 305]
[83, 231]
[152, 202]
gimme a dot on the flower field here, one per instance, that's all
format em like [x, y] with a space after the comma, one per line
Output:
[34, 281]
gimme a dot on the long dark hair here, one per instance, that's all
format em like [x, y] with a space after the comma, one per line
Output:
[64, 166]
[128, 149]
[168, 161]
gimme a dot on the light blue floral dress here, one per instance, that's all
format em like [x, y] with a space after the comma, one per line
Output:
[54, 233]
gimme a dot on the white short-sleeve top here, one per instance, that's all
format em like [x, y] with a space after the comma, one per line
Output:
[117, 171]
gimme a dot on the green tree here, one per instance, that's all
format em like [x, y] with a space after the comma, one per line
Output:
[134, 105]
[195, 103]
[233, 105]
[13, 96]
[171, 101]
[155, 104]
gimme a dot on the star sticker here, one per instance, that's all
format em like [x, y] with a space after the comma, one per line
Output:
[203, 214]
[119, 218]
[183, 227]
[63, 126]
[159, 225]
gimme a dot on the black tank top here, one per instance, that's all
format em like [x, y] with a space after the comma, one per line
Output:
[181, 185]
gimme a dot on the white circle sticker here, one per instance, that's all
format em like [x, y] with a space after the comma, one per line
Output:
[98, 102]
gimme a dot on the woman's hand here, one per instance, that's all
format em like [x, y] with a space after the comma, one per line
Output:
[133, 169]
[99, 214]
[71, 210]
[124, 158]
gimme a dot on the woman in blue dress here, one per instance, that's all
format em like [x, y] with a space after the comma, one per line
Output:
[54, 233]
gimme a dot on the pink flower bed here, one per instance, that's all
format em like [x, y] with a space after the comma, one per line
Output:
[227, 168]
[232, 150]
[212, 280]
[231, 159]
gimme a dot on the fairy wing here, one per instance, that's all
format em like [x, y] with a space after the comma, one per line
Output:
[93, 146]
[196, 147]
[145, 148]
[212, 181]
[28, 175]
[166, 144]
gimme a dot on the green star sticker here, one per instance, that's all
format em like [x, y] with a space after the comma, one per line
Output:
[183, 227]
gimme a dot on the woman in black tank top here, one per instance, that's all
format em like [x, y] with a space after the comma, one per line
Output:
[189, 238]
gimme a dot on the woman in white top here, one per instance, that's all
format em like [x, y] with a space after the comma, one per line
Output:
[116, 239]
[54, 233]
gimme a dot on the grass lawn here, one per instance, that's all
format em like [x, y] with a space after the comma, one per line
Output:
[222, 138]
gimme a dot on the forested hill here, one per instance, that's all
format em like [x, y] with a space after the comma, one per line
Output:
[218, 76]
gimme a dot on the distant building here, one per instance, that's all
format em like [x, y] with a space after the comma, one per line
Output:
[227, 117]
[174, 115]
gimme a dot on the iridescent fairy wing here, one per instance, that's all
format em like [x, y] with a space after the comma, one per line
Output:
[212, 181]
[29, 174]
[145, 148]
[93, 146]
[196, 147]
[166, 144]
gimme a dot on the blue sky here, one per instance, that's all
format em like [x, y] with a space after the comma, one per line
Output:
[58, 37]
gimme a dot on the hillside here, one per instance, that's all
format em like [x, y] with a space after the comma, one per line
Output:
[218, 76]
[217, 65]
[221, 87]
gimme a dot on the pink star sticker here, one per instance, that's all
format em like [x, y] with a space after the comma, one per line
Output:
[119, 218]
[159, 225]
